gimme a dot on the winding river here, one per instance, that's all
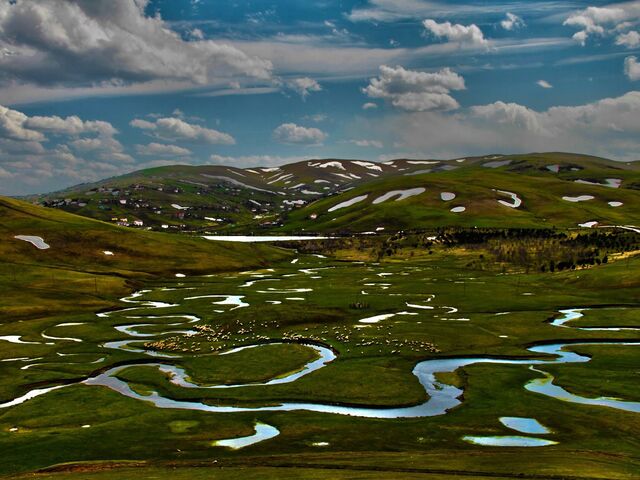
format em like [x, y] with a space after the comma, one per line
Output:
[441, 396]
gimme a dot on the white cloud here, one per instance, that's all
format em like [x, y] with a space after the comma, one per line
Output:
[162, 149]
[294, 134]
[5, 174]
[509, 114]
[368, 143]
[48, 150]
[630, 39]
[82, 42]
[632, 68]
[456, 33]
[603, 21]
[415, 91]
[512, 22]
[16, 126]
[395, 10]
[12, 125]
[321, 59]
[106, 148]
[173, 129]
[607, 127]
[72, 125]
[369, 106]
[544, 84]
[303, 86]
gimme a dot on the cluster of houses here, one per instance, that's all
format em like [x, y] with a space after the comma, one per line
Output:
[127, 205]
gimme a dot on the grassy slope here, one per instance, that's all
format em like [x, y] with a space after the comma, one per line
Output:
[75, 273]
[221, 199]
[540, 190]
[363, 448]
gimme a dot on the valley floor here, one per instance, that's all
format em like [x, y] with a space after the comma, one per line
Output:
[319, 368]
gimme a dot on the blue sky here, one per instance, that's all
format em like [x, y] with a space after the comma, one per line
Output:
[95, 88]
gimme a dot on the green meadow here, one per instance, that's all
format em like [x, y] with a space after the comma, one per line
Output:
[378, 320]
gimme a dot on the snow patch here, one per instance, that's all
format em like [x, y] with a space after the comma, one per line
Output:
[516, 200]
[497, 164]
[447, 196]
[37, 242]
[401, 194]
[588, 224]
[337, 165]
[608, 182]
[581, 198]
[348, 203]
[369, 165]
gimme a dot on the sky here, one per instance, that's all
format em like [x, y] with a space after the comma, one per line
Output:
[90, 89]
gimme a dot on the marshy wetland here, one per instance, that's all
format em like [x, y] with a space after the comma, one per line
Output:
[316, 361]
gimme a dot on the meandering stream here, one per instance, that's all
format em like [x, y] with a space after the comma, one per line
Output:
[441, 396]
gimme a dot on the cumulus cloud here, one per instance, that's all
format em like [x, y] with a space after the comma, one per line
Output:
[456, 33]
[295, 134]
[630, 39]
[601, 21]
[512, 22]
[369, 106]
[175, 129]
[35, 150]
[18, 126]
[72, 125]
[303, 86]
[632, 68]
[544, 84]
[607, 127]
[12, 125]
[415, 91]
[509, 114]
[105, 148]
[162, 149]
[83, 42]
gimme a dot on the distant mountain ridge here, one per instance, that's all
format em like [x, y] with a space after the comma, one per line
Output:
[298, 196]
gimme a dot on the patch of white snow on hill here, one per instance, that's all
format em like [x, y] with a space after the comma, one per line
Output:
[369, 165]
[447, 196]
[401, 194]
[516, 201]
[497, 164]
[608, 182]
[581, 198]
[332, 164]
[348, 203]
[37, 242]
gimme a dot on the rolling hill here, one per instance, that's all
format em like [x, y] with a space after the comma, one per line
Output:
[532, 190]
[80, 262]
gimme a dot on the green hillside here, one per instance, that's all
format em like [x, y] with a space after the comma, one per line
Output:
[287, 198]
[539, 181]
[75, 272]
